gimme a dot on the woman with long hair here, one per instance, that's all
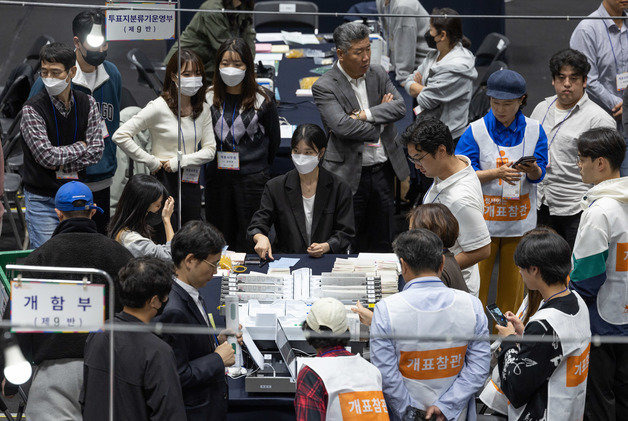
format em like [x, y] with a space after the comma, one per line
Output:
[140, 202]
[159, 117]
[246, 126]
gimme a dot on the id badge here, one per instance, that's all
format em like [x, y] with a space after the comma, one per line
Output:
[228, 160]
[191, 174]
[622, 81]
[67, 175]
[103, 128]
[510, 191]
[417, 110]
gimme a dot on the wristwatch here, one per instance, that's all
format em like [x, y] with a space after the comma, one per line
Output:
[357, 114]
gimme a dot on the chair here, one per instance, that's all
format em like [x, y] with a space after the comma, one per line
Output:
[283, 13]
[12, 101]
[492, 48]
[480, 103]
[12, 187]
[144, 70]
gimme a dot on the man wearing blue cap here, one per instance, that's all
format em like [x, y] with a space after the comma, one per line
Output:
[509, 153]
[54, 393]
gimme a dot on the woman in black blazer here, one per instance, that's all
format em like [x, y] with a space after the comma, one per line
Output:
[312, 209]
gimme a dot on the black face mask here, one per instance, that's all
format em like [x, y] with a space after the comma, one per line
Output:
[94, 58]
[160, 310]
[431, 42]
[153, 218]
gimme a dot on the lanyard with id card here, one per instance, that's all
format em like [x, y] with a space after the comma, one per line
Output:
[510, 191]
[228, 160]
[190, 174]
[621, 80]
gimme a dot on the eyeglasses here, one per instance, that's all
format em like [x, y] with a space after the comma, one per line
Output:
[214, 265]
[54, 73]
[417, 161]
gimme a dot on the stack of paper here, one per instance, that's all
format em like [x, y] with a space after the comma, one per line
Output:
[263, 48]
[268, 59]
[299, 38]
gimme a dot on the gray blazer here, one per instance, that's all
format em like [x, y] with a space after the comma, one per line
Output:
[335, 100]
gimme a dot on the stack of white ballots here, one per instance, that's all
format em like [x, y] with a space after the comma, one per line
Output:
[386, 270]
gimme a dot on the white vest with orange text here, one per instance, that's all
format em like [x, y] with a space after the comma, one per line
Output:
[354, 387]
[428, 369]
[507, 217]
[567, 386]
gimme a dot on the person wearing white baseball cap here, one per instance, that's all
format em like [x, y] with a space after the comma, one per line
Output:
[335, 384]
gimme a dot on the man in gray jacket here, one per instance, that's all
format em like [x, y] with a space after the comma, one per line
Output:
[359, 105]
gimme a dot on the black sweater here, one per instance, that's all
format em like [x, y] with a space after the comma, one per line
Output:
[75, 243]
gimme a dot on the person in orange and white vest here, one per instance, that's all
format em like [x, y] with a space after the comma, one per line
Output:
[336, 385]
[438, 377]
[495, 144]
[546, 379]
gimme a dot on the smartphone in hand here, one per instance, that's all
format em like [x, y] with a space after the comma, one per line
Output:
[525, 160]
[497, 315]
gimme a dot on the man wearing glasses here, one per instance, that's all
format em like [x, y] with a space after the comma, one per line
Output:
[62, 133]
[431, 150]
[201, 359]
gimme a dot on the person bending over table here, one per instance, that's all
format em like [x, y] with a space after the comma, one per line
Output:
[195, 134]
[246, 125]
[311, 208]
[138, 206]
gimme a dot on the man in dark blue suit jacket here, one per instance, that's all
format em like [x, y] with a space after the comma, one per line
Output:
[201, 359]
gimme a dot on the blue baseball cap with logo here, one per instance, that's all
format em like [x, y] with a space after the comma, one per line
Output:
[75, 196]
[506, 84]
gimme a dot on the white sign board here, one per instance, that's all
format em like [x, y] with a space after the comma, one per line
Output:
[133, 25]
[287, 7]
[55, 307]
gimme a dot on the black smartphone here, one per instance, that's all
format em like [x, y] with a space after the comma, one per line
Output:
[525, 160]
[416, 414]
[497, 315]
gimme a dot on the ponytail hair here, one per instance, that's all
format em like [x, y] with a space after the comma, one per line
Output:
[451, 23]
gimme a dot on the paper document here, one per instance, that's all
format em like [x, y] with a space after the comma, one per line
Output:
[268, 57]
[283, 262]
[287, 130]
[269, 37]
[299, 38]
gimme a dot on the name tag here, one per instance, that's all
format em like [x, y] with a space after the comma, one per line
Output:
[417, 110]
[622, 81]
[191, 174]
[67, 175]
[228, 160]
[510, 191]
[103, 128]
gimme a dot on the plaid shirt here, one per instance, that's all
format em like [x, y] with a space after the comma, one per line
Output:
[310, 400]
[72, 158]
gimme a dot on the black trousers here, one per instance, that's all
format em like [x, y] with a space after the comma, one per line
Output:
[374, 207]
[102, 199]
[607, 384]
[565, 226]
[231, 199]
[190, 198]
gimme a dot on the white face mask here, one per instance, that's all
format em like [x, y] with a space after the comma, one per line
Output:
[190, 85]
[54, 86]
[232, 76]
[304, 164]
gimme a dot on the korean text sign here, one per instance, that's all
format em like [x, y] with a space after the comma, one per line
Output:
[127, 25]
[55, 307]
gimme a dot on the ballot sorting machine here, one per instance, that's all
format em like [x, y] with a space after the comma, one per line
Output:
[271, 309]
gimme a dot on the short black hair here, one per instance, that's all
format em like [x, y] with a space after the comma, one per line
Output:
[197, 238]
[83, 22]
[549, 252]
[569, 57]
[57, 52]
[83, 213]
[429, 133]
[317, 341]
[420, 248]
[142, 278]
[603, 142]
[311, 134]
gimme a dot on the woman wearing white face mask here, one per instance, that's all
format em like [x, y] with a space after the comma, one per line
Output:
[311, 209]
[246, 126]
[159, 117]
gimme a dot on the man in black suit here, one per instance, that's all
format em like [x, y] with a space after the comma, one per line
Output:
[201, 359]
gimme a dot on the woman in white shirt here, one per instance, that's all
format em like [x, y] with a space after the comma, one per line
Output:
[138, 209]
[159, 117]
